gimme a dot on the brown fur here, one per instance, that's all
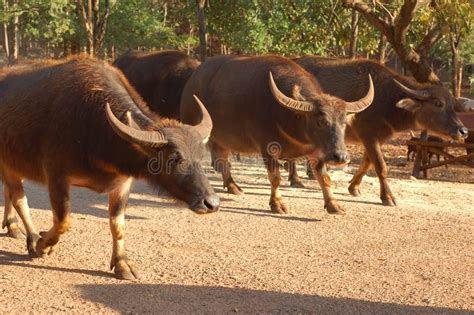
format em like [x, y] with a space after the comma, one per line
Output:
[54, 130]
[159, 77]
[247, 117]
[380, 121]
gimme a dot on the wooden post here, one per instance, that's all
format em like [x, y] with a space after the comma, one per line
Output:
[419, 156]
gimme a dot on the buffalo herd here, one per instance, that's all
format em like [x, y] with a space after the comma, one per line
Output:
[83, 122]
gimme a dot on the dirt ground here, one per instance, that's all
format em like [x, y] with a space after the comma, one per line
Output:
[415, 258]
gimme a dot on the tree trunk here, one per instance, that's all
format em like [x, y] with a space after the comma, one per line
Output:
[383, 44]
[202, 29]
[354, 34]
[6, 43]
[90, 45]
[415, 60]
[382, 50]
[418, 65]
[16, 37]
[456, 77]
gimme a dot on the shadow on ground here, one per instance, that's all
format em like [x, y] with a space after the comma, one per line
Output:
[23, 260]
[166, 298]
[266, 213]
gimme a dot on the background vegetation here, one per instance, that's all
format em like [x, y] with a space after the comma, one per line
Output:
[418, 35]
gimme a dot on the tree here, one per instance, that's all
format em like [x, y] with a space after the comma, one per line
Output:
[354, 32]
[200, 4]
[6, 42]
[150, 25]
[459, 18]
[396, 27]
[94, 22]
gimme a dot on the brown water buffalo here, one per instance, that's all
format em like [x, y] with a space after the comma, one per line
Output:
[159, 77]
[272, 106]
[400, 104]
[78, 122]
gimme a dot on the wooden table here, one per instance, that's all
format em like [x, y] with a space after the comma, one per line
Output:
[424, 148]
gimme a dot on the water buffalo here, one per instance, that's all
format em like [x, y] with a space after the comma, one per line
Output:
[400, 104]
[78, 122]
[159, 77]
[272, 106]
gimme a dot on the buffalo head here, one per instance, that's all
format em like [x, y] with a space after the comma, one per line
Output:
[323, 119]
[174, 153]
[433, 107]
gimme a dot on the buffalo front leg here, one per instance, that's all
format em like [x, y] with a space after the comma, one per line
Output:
[10, 220]
[273, 170]
[319, 170]
[59, 196]
[376, 156]
[293, 177]
[17, 197]
[354, 187]
[220, 161]
[118, 200]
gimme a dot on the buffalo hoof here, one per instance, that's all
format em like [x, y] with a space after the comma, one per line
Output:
[354, 191]
[333, 208]
[44, 247]
[123, 269]
[234, 189]
[31, 244]
[310, 175]
[278, 206]
[14, 229]
[389, 202]
[297, 184]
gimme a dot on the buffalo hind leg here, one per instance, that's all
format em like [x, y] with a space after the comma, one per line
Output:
[319, 170]
[59, 196]
[354, 187]
[118, 200]
[10, 220]
[220, 161]
[273, 170]
[293, 177]
[376, 157]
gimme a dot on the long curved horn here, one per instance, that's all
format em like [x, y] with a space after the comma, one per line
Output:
[288, 102]
[152, 139]
[418, 94]
[363, 103]
[205, 126]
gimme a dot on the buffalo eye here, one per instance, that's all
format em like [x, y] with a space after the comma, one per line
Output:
[322, 122]
[438, 103]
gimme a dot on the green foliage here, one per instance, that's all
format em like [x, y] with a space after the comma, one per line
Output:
[141, 23]
[288, 27]
[285, 27]
[45, 20]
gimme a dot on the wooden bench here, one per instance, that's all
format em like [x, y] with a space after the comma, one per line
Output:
[424, 148]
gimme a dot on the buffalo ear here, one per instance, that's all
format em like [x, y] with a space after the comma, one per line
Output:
[408, 104]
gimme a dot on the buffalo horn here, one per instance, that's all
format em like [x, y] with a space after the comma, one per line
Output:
[363, 103]
[152, 139]
[288, 102]
[418, 94]
[205, 126]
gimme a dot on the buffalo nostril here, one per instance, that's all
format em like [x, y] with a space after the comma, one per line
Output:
[340, 156]
[463, 132]
[212, 203]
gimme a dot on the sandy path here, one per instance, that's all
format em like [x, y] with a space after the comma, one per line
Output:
[416, 258]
